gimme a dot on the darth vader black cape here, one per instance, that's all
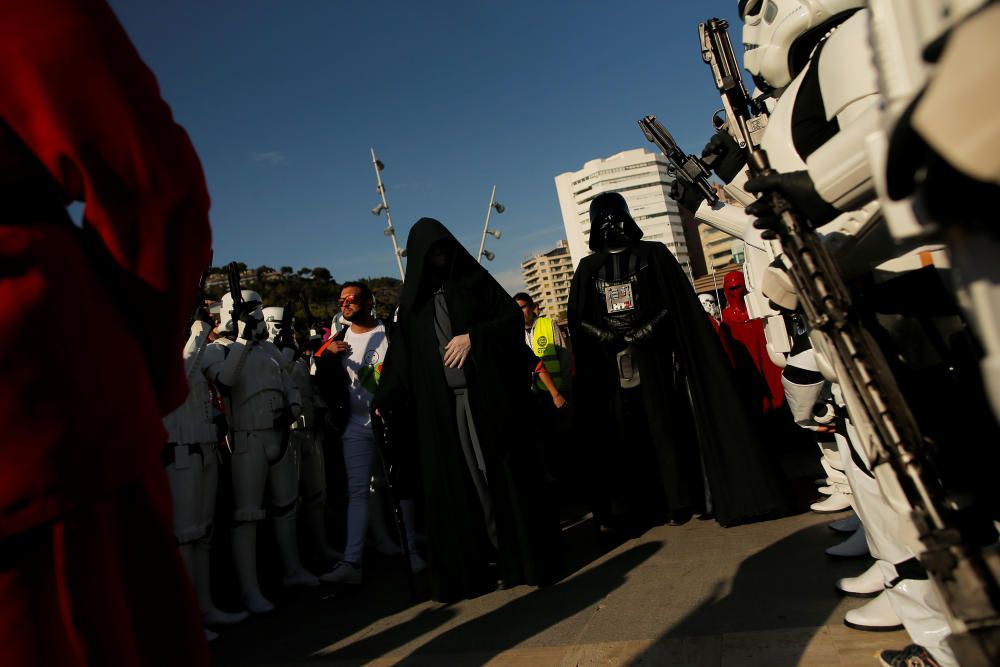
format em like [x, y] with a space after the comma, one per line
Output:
[691, 403]
[498, 372]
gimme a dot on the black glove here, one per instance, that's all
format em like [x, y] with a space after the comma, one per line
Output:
[201, 314]
[797, 187]
[724, 155]
[250, 326]
[647, 329]
[601, 335]
[687, 195]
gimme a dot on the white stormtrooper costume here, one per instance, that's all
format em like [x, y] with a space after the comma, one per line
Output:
[262, 402]
[711, 305]
[838, 77]
[192, 465]
[947, 105]
[306, 438]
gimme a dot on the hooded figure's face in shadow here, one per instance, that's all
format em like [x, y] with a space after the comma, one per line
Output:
[440, 260]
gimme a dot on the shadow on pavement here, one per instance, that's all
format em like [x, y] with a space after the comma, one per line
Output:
[776, 589]
[490, 634]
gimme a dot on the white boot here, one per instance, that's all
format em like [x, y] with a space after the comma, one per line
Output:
[868, 584]
[245, 556]
[874, 616]
[287, 538]
[848, 525]
[854, 546]
[838, 502]
[922, 614]
[210, 614]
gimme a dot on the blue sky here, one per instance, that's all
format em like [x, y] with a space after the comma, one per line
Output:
[284, 99]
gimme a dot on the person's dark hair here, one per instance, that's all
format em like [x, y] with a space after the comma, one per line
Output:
[366, 292]
[524, 296]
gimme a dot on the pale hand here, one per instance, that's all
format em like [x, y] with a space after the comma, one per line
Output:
[559, 401]
[339, 346]
[457, 350]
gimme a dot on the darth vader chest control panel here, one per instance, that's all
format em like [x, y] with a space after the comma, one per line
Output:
[618, 288]
[619, 297]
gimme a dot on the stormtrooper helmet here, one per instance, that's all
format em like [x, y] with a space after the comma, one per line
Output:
[251, 301]
[779, 35]
[710, 304]
[272, 320]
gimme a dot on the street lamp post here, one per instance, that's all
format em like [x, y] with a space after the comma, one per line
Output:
[495, 233]
[390, 231]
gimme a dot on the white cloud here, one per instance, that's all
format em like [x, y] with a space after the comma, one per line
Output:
[270, 157]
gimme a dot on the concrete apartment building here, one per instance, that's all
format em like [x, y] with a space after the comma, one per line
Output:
[547, 276]
[642, 178]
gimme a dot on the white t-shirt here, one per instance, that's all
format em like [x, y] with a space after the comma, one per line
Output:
[364, 368]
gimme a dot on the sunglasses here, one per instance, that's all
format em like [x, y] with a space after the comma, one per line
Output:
[350, 299]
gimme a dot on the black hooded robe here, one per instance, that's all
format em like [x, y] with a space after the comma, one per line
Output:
[498, 373]
[691, 407]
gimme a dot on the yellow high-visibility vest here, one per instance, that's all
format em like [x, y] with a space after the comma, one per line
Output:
[545, 349]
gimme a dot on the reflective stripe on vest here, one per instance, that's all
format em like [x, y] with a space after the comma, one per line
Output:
[545, 349]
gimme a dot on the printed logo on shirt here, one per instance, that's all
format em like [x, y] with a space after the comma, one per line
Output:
[543, 341]
[369, 376]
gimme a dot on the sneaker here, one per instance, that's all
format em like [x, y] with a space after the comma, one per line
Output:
[417, 564]
[911, 656]
[343, 573]
[215, 616]
[300, 578]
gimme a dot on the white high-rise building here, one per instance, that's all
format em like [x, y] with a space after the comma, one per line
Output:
[547, 276]
[642, 178]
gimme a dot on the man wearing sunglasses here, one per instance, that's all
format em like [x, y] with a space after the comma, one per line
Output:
[360, 347]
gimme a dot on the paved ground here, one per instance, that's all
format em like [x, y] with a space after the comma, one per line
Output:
[689, 595]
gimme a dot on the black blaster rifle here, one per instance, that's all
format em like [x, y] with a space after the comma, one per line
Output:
[717, 51]
[286, 333]
[965, 574]
[692, 170]
[233, 273]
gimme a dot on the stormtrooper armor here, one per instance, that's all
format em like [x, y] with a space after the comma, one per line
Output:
[776, 35]
[308, 436]
[262, 402]
[832, 154]
[272, 320]
[191, 460]
[711, 305]
[306, 441]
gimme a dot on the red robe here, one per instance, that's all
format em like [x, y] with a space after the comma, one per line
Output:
[91, 332]
[747, 346]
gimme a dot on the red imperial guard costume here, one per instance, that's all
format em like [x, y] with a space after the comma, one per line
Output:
[746, 345]
[91, 331]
